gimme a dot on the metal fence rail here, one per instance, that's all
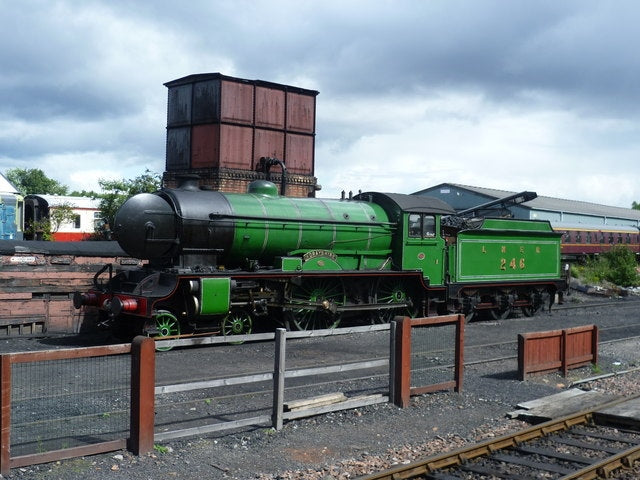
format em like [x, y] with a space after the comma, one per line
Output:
[278, 376]
[50, 411]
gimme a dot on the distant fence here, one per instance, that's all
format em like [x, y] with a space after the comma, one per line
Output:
[45, 416]
[543, 352]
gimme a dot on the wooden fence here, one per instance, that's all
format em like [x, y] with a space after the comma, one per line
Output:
[139, 435]
[141, 405]
[404, 357]
[543, 352]
[278, 377]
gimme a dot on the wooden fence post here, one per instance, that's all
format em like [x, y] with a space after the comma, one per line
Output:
[143, 382]
[594, 344]
[402, 374]
[522, 345]
[393, 328]
[5, 415]
[278, 378]
[564, 345]
[459, 360]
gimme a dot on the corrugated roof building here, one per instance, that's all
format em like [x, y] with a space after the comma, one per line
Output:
[556, 210]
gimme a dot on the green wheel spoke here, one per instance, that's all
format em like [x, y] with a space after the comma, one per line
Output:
[237, 323]
[390, 292]
[167, 325]
[317, 300]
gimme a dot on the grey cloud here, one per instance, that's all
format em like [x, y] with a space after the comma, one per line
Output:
[59, 65]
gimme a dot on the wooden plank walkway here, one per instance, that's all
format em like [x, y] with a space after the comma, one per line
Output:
[625, 414]
[560, 405]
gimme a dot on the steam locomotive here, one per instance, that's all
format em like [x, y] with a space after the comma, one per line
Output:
[230, 262]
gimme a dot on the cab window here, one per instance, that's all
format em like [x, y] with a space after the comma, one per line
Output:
[422, 226]
[428, 226]
[415, 225]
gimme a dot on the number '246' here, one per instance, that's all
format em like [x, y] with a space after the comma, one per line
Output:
[513, 264]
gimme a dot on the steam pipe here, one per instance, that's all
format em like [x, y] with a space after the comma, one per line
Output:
[267, 163]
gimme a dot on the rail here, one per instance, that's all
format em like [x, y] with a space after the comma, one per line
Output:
[461, 457]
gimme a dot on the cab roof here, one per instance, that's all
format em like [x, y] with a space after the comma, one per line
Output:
[407, 203]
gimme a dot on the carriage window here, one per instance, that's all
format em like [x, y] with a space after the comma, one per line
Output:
[578, 237]
[422, 226]
[76, 221]
[611, 238]
[628, 238]
[588, 237]
[619, 238]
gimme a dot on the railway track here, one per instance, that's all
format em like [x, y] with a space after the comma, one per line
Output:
[571, 447]
[567, 305]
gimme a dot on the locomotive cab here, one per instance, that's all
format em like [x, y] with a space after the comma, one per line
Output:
[418, 243]
[423, 246]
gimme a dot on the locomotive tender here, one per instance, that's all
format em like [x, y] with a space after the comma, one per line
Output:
[224, 262]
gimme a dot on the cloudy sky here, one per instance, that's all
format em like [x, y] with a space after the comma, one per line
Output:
[515, 95]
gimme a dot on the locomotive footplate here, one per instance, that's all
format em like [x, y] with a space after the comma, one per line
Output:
[334, 308]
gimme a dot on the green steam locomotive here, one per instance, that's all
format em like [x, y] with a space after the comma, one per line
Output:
[230, 263]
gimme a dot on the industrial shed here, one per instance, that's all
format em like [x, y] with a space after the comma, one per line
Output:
[556, 210]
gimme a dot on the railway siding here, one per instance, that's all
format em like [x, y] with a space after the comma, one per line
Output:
[541, 450]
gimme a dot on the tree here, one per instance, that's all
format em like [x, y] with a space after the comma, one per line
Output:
[635, 206]
[34, 181]
[60, 214]
[116, 192]
[84, 193]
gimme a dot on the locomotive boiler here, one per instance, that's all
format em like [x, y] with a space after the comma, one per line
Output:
[230, 262]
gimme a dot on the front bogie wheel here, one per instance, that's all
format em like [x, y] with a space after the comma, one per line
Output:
[238, 322]
[165, 325]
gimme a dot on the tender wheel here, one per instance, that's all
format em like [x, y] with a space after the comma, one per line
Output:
[166, 325]
[469, 316]
[504, 308]
[237, 323]
[391, 291]
[468, 306]
[528, 311]
[538, 299]
[314, 304]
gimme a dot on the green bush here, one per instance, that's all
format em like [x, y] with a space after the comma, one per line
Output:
[622, 267]
[617, 266]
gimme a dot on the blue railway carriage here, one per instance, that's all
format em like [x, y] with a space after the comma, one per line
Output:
[11, 215]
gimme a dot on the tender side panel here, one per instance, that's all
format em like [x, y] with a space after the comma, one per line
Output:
[502, 256]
